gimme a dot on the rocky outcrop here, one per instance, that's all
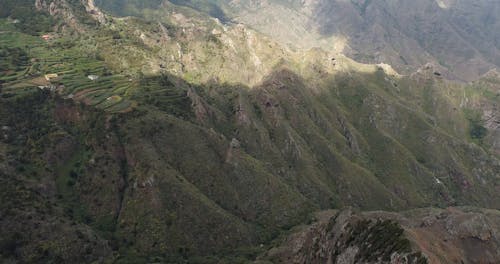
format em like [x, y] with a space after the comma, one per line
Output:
[347, 237]
[66, 11]
[94, 11]
[453, 235]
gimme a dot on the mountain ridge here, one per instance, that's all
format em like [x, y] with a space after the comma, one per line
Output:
[160, 150]
[405, 34]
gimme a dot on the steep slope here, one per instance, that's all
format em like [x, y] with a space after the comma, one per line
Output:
[164, 159]
[459, 35]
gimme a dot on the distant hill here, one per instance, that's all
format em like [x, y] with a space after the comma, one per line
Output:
[460, 35]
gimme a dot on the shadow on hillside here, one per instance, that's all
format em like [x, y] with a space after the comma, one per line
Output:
[351, 122]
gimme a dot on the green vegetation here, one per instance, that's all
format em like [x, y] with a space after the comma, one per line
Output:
[165, 95]
[128, 7]
[66, 178]
[377, 241]
[27, 18]
[140, 8]
[211, 7]
[13, 61]
[167, 159]
[24, 64]
[477, 131]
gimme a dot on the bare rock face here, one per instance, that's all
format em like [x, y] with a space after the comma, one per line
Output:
[235, 143]
[53, 7]
[454, 235]
[95, 12]
[61, 9]
[65, 11]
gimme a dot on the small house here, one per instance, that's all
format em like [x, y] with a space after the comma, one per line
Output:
[51, 76]
[93, 77]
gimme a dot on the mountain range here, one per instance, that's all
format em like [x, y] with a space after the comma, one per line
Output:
[238, 131]
[458, 35]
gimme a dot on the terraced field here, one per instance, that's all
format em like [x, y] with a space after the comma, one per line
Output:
[26, 59]
[161, 92]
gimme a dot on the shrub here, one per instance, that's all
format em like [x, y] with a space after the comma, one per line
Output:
[477, 131]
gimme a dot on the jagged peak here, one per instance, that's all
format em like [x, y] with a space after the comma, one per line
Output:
[66, 10]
